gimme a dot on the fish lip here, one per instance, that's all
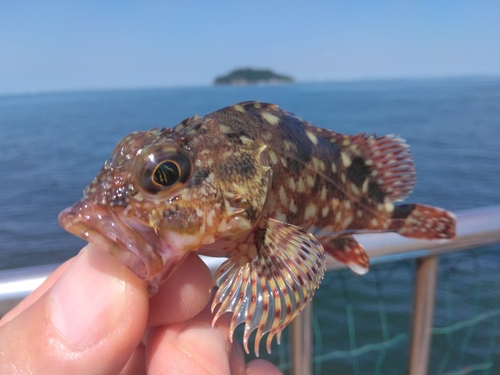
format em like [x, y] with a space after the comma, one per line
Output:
[104, 228]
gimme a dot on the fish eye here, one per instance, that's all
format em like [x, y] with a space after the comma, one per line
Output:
[162, 169]
[166, 173]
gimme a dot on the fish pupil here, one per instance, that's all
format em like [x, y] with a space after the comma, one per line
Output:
[166, 173]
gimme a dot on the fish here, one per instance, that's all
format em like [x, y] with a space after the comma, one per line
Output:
[271, 192]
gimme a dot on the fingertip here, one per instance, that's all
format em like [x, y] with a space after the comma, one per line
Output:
[91, 292]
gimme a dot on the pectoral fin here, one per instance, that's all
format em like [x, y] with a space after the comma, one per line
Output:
[347, 250]
[268, 282]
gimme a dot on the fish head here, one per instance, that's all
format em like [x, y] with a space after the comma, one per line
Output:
[163, 195]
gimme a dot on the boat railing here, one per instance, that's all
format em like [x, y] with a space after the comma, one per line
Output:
[475, 228]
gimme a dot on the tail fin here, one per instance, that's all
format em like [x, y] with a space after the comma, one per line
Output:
[424, 222]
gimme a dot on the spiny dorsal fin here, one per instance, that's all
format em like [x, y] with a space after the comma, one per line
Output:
[268, 282]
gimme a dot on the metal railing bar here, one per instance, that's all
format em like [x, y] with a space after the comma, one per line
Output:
[423, 314]
[16, 284]
[301, 342]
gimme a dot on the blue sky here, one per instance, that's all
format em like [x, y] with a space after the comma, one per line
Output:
[69, 45]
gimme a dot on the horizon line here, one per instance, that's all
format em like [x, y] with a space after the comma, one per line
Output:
[297, 82]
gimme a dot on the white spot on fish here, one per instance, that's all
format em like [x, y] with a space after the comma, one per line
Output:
[364, 188]
[245, 140]
[354, 189]
[273, 157]
[346, 160]
[311, 211]
[318, 164]
[310, 181]
[323, 194]
[289, 146]
[281, 216]
[283, 196]
[270, 118]
[138, 197]
[225, 129]
[312, 137]
[301, 187]
[267, 136]
[325, 211]
[389, 206]
[347, 221]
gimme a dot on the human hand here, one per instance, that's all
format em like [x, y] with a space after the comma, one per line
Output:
[93, 316]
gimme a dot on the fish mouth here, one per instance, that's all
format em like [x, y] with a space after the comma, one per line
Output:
[134, 243]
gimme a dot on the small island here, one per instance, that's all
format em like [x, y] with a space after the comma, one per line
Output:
[252, 76]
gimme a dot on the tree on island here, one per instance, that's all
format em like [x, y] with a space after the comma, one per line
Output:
[247, 75]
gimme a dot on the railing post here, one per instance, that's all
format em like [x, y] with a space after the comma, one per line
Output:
[301, 342]
[423, 314]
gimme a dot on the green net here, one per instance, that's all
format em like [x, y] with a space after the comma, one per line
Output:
[361, 324]
[467, 315]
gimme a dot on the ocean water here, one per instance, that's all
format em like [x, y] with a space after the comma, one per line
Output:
[53, 144]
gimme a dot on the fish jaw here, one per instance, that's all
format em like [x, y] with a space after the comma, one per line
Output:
[137, 245]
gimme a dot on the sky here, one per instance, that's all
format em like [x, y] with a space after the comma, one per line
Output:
[87, 45]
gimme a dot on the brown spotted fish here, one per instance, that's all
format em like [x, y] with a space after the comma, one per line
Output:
[258, 185]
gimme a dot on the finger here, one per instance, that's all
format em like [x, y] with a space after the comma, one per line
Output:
[90, 321]
[237, 360]
[262, 367]
[183, 295]
[136, 364]
[193, 347]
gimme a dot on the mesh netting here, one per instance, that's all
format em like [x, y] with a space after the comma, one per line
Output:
[361, 324]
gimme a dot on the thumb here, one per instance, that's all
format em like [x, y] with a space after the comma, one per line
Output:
[89, 322]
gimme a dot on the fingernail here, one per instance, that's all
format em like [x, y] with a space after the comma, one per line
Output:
[89, 300]
[206, 346]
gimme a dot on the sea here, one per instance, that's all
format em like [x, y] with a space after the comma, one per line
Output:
[53, 144]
